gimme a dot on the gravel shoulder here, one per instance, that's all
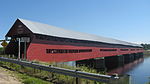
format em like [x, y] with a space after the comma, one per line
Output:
[7, 78]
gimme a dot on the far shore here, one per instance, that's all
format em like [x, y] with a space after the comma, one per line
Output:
[147, 53]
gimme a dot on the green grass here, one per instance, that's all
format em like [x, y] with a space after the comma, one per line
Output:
[30, 73]
[31, 80]
[24, 78]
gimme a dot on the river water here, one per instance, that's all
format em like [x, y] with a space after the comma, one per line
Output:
[139, 71]
[140, 74]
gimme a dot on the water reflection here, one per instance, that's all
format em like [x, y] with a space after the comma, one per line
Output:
[141, 73]
[127, 67]
[138, 70]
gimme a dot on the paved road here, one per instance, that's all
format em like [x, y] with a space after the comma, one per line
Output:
[7, 78]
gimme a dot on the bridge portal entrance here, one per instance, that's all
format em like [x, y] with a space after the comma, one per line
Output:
[18, 47]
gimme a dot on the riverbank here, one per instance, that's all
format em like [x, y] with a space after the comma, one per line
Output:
[34, 76]
[146, 53]
[12, 77]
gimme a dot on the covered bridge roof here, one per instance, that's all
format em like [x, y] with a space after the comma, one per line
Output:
[49, 30]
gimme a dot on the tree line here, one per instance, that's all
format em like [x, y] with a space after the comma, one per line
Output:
[146, 46]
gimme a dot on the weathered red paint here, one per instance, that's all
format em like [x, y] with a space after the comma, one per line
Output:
[37, 51]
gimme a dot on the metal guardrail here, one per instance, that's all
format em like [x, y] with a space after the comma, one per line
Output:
[74, 73]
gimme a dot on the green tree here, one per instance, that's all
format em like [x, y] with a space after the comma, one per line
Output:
[146, 46]
[1, 50]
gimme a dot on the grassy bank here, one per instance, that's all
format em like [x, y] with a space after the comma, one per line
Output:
[25, 79]
[34, 76]
[31, 80]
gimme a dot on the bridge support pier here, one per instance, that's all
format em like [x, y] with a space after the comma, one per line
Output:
[100, 64]
[109, 63]
[97, 63]
[135, 56]
[138, 55]
[141, 54]
[127, 58]
[114, 61]
[131, 57]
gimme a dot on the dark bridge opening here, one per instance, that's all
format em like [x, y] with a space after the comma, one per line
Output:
[13, 46]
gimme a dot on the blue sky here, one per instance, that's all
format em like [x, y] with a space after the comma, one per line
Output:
[127, 20]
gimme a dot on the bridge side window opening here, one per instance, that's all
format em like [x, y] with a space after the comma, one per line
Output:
[132, 49]
[108, 49]
[139, 49]
[68, 50]
[124, 49]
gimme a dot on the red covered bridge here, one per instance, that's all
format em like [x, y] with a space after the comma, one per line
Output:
[53, 44]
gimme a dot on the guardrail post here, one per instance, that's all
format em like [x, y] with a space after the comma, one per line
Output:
[77, 79]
